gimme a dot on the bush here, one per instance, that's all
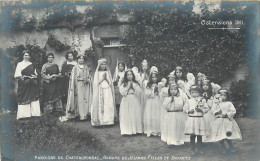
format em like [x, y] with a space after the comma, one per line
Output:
[174, 35]
[240, 96]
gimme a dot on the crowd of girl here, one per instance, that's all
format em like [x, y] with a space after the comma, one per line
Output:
[182, 108]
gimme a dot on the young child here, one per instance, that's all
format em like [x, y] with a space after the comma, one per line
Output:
[225, 127]
[130, 107]
[117, 81]
[181, 85]
[209, 116]
[152, 109]
[175, 118]
[143, 79]
[195, 126]
[189, 83]
[179, 75]
[164, 93]
[103, 110]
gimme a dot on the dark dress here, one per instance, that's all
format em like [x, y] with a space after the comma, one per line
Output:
[64, 84]
[51, 89]
[27, 89]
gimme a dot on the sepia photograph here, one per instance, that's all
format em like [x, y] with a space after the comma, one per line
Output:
[129, 80]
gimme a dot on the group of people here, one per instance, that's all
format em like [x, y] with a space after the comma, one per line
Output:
[177, 109]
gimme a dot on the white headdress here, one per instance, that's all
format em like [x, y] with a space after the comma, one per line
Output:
[153, 69]
[144, 62]
[94, 107]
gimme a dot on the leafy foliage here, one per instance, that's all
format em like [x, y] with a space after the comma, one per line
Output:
[175, 36]
[36, 52]
[240, 96]
[56, 44]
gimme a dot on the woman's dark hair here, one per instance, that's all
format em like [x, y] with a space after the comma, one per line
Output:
[149, 84]
[50, 54]
[209, 92]
[78, 56]
[25, 51]
[182, 76]
[67, 55]
[122, 63]
[125, 80]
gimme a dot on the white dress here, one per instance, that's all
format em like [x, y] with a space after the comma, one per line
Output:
[106, 104]
[152, 112]
[130, 110]
[32, 108]
[164, 94]
[175, 121]
[196, 123]
[225, 128]
[209, 118]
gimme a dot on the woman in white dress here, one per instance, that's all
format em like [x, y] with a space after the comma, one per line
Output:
[130, 107]
[26, 89]
[79, 91]
[103, 109]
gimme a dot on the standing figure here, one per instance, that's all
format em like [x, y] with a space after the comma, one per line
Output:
[27, 90]
[144, 77]
[190, 81]
[152, 109]
[51, 81]
[103, 109]
[66, 69]
[130, 107]
[164, 93]
[79, 92]
[225, 127]
[175, 118]
[207, 94]
[195, 126]
[117, 80]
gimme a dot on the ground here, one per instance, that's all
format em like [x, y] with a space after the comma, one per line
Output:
[82, 139]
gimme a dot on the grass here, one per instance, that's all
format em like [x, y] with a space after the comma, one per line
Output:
[42, 135]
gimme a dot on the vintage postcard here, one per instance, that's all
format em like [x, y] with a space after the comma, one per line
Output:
[129, 80]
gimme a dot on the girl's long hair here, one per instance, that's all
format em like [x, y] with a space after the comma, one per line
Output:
[209, 91]
[150, 82]
[182, 76]
[125, 80]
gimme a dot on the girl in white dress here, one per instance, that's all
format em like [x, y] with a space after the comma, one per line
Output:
[164, 93]
[117, 81]
[175, 117]
[143, 79]
[207, 94]
[195, 126]
[103, 109]
[153, 104]
[225, 127]
[130, 107]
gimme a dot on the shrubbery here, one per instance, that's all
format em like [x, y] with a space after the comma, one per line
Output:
[168, 35]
